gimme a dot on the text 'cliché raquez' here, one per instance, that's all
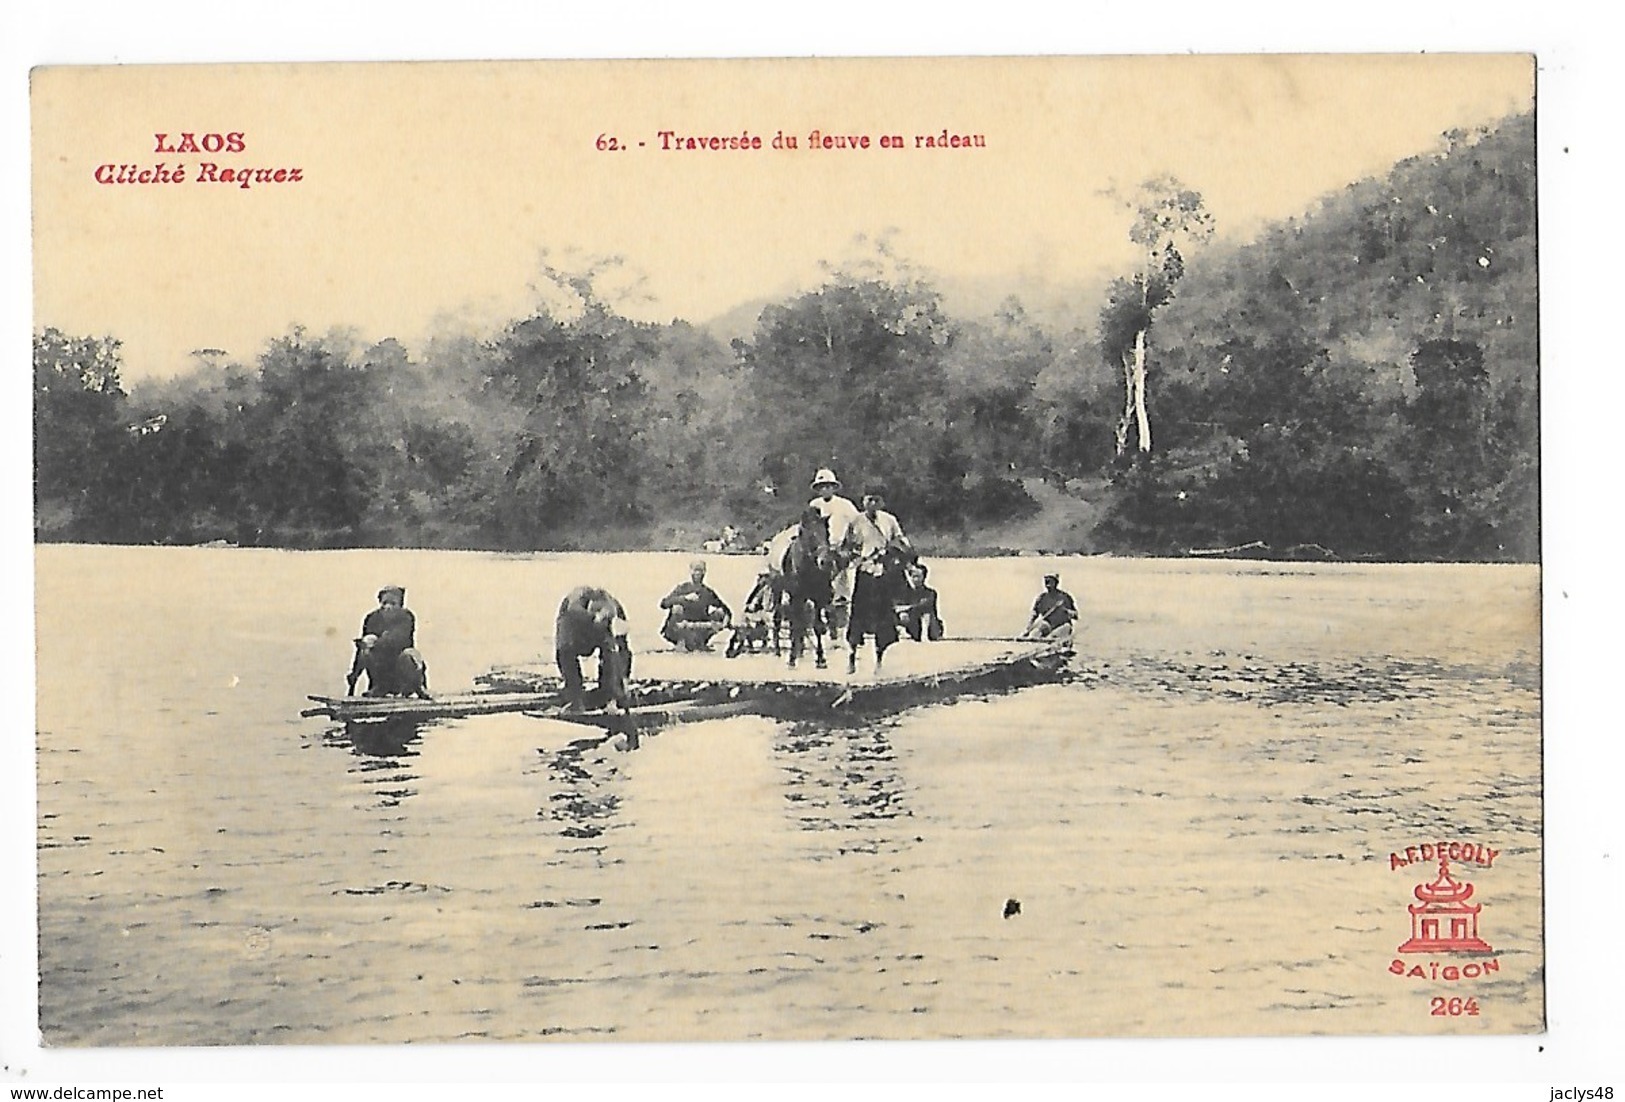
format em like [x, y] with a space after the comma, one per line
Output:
[219, 144]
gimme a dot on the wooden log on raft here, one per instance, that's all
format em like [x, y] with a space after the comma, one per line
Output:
[912, 671]
[440, 707]
[702, 684]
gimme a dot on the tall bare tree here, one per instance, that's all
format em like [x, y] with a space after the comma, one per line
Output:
[1169, 218]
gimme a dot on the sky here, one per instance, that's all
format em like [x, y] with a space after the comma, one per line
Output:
[430, 195]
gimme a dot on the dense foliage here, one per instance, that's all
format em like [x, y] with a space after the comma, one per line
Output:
[1360, 381]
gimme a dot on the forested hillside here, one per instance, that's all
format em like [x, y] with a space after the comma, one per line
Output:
[1360, 381]
[1363, 378]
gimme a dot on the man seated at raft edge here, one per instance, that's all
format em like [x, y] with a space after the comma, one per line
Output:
[917, 611]
[1053, 613]
[386, 650]
[694, 612]
[591, 621]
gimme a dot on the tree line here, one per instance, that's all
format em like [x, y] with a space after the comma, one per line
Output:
[1360, 381]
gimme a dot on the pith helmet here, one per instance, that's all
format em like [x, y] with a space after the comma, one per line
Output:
[825, 477]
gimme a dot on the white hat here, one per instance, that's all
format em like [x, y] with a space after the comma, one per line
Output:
[825, 476]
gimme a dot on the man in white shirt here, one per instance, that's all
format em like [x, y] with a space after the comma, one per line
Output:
[873, 533]
[841, 513]
[870, 540]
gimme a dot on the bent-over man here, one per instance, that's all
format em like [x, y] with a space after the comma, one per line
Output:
[591, 621]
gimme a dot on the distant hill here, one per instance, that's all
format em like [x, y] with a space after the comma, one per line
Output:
[1442, 247]
[1363, 377]
[1055, 305]
[738, 322]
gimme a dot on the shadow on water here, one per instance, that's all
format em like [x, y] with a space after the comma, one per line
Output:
[391, 737]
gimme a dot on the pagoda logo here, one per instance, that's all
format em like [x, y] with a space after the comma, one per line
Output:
[1442, 919]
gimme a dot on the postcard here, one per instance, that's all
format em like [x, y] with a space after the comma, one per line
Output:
[911, 549]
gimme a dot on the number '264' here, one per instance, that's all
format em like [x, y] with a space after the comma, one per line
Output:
[1453, 1008]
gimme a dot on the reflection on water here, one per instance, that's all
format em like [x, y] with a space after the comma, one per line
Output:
[1196, 822]
[844, 778]
[391, 737]
[583, 798]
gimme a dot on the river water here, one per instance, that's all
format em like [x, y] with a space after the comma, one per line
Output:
[1200, 827]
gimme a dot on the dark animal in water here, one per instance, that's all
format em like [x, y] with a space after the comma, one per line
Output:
[805, 577]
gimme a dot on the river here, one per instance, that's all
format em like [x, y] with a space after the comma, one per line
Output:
[1200, 832]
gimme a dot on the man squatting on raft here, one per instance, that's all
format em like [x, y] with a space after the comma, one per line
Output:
[386, 650]
[591, 621]
[694, 612]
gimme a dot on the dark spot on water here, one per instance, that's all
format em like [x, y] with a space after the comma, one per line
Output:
[392, 886]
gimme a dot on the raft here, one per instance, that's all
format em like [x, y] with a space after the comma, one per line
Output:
[672, 686]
